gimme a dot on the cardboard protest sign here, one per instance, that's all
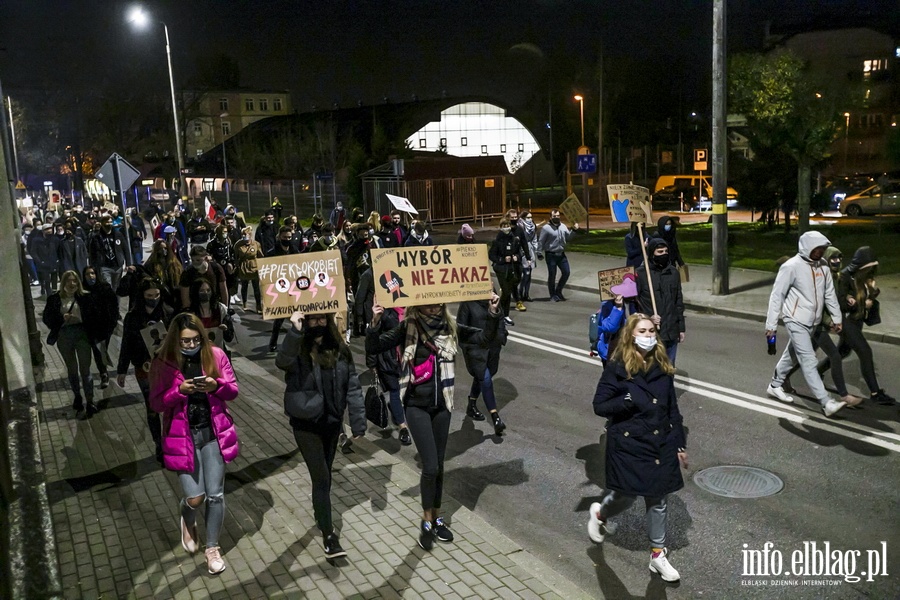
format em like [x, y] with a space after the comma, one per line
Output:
[153, 336]
[617, 282]
[401, 203]
[573, 209]
[109, 206]
[431, 275]
[630, 203]
[216, 337]
[312, 283]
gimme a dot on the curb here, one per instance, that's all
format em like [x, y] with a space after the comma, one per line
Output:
[872, 336]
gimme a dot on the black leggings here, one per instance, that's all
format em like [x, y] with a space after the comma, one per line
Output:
[318, 449]
[244, 285]
[430, 428]
[853, 339]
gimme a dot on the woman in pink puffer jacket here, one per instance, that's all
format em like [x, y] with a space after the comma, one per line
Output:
[191, 381]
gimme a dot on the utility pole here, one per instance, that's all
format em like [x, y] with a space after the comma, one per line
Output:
[719, 157]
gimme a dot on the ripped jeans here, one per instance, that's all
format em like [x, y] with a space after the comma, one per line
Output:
[207, 479]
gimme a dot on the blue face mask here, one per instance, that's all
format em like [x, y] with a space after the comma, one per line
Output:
[667, 227]
[191, 352]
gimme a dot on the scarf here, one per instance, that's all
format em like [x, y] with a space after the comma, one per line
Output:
[529, 229]
[434, 333]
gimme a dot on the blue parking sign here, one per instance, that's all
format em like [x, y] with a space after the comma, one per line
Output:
[587, 163]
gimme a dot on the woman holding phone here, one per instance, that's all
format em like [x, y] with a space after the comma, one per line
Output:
[191, 382]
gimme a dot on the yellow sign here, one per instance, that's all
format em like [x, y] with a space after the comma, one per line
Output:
[719, 209]
[20, 185]
[488, 183]
[312, 283]
[630, 203]
[584, 150]
[622, 279]
[431, 274]
[573, 209]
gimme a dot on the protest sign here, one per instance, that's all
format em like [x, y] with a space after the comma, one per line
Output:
[109, 206]
[312, 283]
[431, 275]
[573, 209]
[611, 283]
[630, 203]
[401, 203]
[153, 336]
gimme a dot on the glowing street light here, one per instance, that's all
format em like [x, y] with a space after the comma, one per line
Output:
[580, 99]
[225, 162]
[140, 19]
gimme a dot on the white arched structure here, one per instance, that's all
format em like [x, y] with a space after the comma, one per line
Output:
[477, 129]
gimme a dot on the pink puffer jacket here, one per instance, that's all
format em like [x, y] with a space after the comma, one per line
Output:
[165, 398]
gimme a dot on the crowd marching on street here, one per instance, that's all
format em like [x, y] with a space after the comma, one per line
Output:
[195, 284]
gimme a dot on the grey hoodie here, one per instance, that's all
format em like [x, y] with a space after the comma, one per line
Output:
[803, 287]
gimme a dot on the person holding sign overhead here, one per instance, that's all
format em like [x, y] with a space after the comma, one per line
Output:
[552, 242]
[429, 339]
[321, 386]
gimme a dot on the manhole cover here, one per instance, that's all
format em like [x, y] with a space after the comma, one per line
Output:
[734, 481]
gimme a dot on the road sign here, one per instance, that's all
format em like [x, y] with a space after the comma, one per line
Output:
[587, 163]
[20, 185]
[583, 150]
[700, 159]
[324, 176]
[127, 174]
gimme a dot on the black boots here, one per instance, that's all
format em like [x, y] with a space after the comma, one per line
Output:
[472, 411]
[499, 425]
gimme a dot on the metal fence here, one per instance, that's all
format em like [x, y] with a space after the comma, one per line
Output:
[301, 197]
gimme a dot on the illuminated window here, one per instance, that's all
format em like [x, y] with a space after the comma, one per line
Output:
[276, 104]
[521, 147]
[422, 143]
[223, 104]
[443, 142]
[464, 142]
[503, 148]
[226, 128]
[484, 149]
[263, 104]
[873, 65]
[248, 104]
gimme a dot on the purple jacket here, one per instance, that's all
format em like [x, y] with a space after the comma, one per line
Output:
[165, 398]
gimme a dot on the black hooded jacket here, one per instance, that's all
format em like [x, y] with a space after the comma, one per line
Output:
[669, 237]
[667, 291]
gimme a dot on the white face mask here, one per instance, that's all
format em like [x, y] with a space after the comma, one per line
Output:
[645, 343]
[505, 229]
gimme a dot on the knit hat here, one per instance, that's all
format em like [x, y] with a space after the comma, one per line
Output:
[466, 230]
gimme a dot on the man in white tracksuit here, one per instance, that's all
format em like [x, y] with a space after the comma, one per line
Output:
[802, 290]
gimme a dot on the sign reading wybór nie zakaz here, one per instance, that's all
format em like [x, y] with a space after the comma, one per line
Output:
[312, 283]
[431, 274]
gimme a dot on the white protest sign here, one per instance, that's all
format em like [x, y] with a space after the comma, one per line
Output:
[402, 204]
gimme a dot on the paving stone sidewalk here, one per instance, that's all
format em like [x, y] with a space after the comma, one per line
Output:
[115, 513]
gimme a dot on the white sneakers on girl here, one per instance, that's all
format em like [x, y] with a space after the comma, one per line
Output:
[660, 564]
[214, 561]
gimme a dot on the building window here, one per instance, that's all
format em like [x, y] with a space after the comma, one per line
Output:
[199, 152]
[502, 148]
[484, 149]
[223, 104]
[264, 104]
[422, 143]
[248, 104]
[443, 142]
[871, 121]
[276, 104]
[521, 147]
[464, 142]
[198, 129]
[873, 65]
[226, 128]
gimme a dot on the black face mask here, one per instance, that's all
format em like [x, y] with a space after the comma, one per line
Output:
[317, 331]
[151, 303]
[555, 220]
[204, 297]
[661, 261]
[285, 243]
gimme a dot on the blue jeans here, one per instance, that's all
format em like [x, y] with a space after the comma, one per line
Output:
[484, 385]
[553, 261]
[672, 350]
[207, 479]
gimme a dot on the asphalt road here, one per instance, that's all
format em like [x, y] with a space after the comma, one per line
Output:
[536, 482]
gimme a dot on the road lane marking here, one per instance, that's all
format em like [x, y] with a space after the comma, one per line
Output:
[882, 439]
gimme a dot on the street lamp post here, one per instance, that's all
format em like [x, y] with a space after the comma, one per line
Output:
[846, 138]
[140, 19]
[584, 178]
[580, 100]
[225, 163]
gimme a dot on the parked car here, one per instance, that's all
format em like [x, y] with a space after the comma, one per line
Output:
[672, 187]
[873, 200]
[840, 187]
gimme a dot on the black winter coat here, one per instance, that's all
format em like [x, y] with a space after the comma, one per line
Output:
[54, 320]
[485, 355]
[133, 350]
[644, 432]
[387, 363]
[304, 400]
[105, 308]
[669, 301]
[506, 244]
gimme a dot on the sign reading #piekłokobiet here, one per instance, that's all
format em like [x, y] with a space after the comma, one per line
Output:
[431, 274]
[311, 283]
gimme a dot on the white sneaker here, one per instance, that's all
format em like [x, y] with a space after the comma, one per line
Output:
[215, 564]
[661, 565]
[832, 406]
[597, 529]
[778, 394]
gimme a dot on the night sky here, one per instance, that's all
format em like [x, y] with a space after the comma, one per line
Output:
[342, 52]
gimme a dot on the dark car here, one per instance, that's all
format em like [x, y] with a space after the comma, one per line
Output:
[671, 196]
[839, 188]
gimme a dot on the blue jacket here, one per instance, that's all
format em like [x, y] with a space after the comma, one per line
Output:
[611, 319]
